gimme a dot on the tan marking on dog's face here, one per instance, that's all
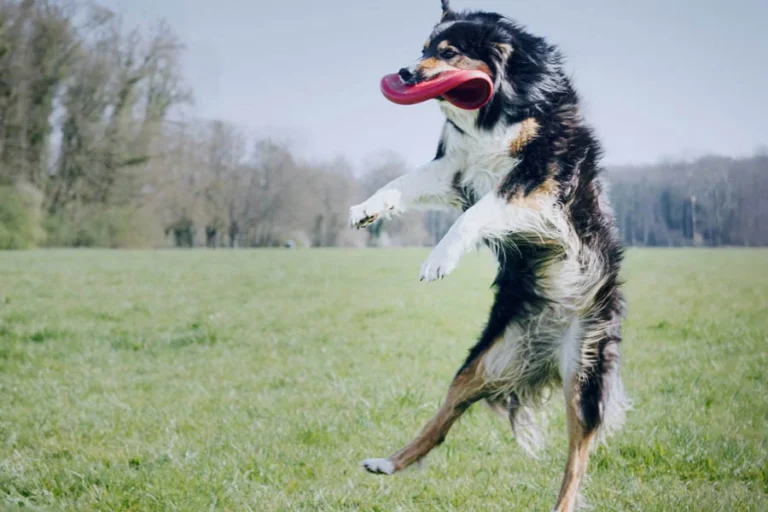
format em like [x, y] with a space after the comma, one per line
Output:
[433, 66]
[458, 61]
[529, 129]
[430, 64]
[464, 62]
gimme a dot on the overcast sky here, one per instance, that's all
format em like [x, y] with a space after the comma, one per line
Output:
[658, 78]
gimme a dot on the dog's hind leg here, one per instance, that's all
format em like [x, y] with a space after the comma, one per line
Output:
[594, 396]
[579, 438]
[467, 387]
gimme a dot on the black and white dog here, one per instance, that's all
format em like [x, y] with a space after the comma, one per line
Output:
[524, 169]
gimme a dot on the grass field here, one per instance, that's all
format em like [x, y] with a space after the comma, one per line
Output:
[258, 380]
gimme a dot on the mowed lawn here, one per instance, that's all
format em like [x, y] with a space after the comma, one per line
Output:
[258, 380]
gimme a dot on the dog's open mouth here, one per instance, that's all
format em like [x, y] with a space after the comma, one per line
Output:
[467, 89]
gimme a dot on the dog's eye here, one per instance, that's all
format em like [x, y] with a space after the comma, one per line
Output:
[448, 54]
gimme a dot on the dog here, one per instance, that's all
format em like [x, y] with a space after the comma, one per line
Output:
[525, 171]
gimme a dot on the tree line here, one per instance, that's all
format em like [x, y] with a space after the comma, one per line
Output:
[96, 150]
[711, 201]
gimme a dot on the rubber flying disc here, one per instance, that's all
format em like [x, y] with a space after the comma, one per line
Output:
[467, 89]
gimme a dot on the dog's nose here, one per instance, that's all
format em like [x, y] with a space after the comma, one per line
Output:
[405, 74]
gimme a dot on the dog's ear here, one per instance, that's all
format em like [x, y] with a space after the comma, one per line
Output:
[503, 50]
[448, 14]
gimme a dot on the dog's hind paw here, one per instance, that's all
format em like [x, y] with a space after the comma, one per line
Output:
[379, 466]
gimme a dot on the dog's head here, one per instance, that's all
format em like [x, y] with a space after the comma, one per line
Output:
[523, 67]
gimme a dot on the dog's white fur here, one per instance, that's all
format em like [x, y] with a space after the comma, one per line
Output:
[383, 466]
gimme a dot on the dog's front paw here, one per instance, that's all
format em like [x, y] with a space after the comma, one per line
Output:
[441, 261]
[379, 466]
[360, 217]
[383, 203]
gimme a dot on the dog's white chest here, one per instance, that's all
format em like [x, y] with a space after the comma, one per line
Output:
[487, 155]
[488, 161]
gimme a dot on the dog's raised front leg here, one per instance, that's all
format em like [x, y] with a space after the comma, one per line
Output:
[467, 387]
[430, 185]
[491, 218]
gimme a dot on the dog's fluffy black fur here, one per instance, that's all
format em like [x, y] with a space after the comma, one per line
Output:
[541, 207]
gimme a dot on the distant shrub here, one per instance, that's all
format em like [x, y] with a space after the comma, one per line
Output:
[19, 217]
[101, 226]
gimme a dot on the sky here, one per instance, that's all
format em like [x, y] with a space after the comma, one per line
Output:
[658, 79]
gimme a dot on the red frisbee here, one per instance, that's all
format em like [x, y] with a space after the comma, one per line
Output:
[467, 89]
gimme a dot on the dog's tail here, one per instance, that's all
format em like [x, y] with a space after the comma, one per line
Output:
[525, 422]
[615, 405]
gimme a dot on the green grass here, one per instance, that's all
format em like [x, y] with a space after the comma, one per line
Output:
[258, 380]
